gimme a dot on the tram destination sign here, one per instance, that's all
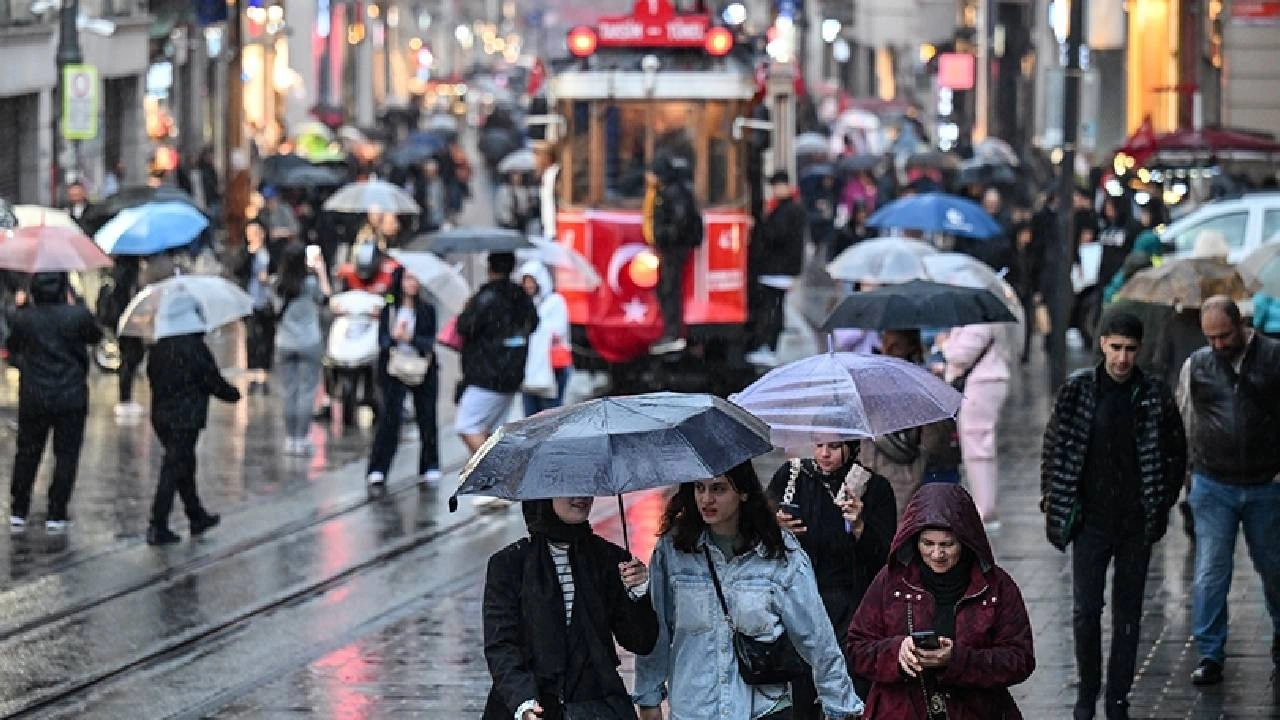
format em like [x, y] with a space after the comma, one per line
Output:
[653, 23]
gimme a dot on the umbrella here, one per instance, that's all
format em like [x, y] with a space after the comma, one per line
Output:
[886, 260]
[309, 176]
[40, 215]
[936, 213]
[440, 278]
[614, 445]
[520, 161]
[161, 309]
[275, 166]
[953, 268]
[932, 159]
[472, 240]
[858, 163]
[995, 150]
[151, 228]
[49, 248]
[98, 215]
[442, 122]
[1184, 282]
[918, 304]
[981, 172]
[411, 154]
[1260, 270]
[431, 138]
[846, 396]
[573, 271]
[817, 170]
[372, 195]
[812, 143]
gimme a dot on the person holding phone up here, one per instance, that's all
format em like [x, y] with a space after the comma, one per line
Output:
[941, 585]
[844, 516]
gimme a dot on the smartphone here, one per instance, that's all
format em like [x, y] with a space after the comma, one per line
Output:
[313, 254]
[791, 509]
[926, 640]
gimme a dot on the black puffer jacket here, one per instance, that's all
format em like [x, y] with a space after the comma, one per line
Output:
[183, 374]
[495, 327]
[1237, 427]
[48, 342]
[1162, 453]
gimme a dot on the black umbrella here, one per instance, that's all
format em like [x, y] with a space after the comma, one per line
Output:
[310, 176]
[133, 196]
[986, 173]
[411, 154]
[471, 240]
[858, 163]
[918, 304]
[614, 445]
[275, 166]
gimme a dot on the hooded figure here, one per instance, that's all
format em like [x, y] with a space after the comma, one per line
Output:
[549, 640]
[973, 605]
[545, 371]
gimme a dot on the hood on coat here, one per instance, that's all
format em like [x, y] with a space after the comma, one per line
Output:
[49, 287]
[947, 506]
[180, 314]
[538, 271]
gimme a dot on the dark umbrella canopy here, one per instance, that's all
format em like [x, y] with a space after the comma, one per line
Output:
[858, 163]
[133, 196]
[276, 166]
[471, 240]
[615, 445]
[986, 173]
[310, 176]
[918, 304]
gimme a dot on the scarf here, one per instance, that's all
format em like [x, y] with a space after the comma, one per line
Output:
[947, 589]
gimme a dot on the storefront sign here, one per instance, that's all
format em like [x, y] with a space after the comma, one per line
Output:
[956, 71]
[1255, 12]
[79, 102]
[653, 23]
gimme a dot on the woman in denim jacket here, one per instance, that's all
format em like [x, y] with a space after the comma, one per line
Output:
[769, 587]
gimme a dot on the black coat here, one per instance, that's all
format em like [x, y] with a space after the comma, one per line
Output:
[495, 327]
[843, 566]
[1236, 432]
[1162, 453]
[778, 248]
[525, 632]
[48, 343]
[183, 374]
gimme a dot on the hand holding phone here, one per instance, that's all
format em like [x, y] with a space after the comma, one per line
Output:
[925, 640]
[791, 520]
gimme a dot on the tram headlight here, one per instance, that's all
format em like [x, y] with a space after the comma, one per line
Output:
[582, 41]
[643, 270]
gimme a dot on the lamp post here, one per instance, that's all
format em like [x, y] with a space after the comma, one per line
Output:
[1060, 305]
[68, 53]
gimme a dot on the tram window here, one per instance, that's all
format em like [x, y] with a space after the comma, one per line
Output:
[625, 164]
[673, 123]
[580, 153]
[720, 186]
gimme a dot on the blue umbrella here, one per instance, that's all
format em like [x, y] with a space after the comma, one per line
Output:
[151, 228]
[936, 213]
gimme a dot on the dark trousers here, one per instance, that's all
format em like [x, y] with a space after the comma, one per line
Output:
[768, 307]
[33, 432]
[260, 339]
[840, 606]
[671, 289]
[1029, 323]
[387, 437]
[177, 474]
[132, 351]
[1092, 551]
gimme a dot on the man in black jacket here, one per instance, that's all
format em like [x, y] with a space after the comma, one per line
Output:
[777, 257]
[1114, 451]
[183, 374]
[677, 231]
[48, 343]
[1232, 389]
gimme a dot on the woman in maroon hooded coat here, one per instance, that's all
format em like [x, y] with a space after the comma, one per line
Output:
[941, 576]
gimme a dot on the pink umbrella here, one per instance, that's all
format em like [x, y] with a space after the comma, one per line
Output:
[49, 248]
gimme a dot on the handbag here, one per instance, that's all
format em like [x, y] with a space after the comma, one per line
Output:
[760, 662]
[561, 355]
[959, 382]
[408, 367]
[448, 335]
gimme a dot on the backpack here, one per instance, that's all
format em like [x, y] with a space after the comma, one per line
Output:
[681, 220]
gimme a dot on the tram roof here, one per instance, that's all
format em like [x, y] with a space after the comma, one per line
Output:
[616, 73]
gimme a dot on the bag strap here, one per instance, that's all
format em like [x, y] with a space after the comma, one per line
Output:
[976, 361]
[715, 580]
[789, 495]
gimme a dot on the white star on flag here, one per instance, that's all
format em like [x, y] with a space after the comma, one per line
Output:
[634, 310]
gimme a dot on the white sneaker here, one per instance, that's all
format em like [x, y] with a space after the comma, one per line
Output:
[431, 478]
[376, 479]
[56, 527]
[17, 523]
[762, 356]
[670, 345]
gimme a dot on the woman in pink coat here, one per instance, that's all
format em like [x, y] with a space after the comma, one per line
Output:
[977, 355]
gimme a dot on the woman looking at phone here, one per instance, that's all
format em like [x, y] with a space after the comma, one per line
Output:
[942, 583]
[844, 516]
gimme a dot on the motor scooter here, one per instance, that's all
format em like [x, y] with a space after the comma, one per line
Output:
[351, 351]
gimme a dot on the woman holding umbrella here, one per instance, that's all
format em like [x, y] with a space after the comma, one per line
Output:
[844, 517]
[554, 603]
[723, 556]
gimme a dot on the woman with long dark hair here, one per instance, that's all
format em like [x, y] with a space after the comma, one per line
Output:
[722, 532]
[553, 605]
[302, 289]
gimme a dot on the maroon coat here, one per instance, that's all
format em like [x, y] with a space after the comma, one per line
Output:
[993, 634]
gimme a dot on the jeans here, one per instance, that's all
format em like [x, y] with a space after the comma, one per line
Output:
[1092, 550]
[1220, 510]
[132, 351]
[671, 288]
[177, 474]
[534, 404]
[33, 432]
[386, 438]
[768, 307]
[299, 370]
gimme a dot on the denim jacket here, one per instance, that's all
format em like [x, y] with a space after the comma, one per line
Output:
[693, 662]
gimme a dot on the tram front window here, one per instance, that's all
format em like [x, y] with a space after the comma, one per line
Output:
[624, 167]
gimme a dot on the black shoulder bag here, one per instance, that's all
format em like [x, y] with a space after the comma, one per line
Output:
[760, 662]
[961, 380]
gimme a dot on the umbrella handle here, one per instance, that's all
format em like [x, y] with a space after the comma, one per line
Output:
[626, 536]
[831, 343]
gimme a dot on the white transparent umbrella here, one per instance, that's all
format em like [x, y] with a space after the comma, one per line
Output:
[441, 279]
[573, 271]
[372, 195]
[183, 305]
[885, 261]
[520, 161]
[954, 268]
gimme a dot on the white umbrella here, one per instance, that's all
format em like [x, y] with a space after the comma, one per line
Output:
[520, 161]
[954, 268]
[373, 195]
[39, 215]
[573, 271]
[182, 305]
[440, 278]
[812, 143]
[885, 261]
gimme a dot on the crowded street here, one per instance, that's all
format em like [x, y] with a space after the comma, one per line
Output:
[640, 360]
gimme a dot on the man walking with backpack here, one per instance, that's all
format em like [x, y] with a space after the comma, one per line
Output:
[673, 225]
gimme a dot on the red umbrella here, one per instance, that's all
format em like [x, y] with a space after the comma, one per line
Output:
[49, 248]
